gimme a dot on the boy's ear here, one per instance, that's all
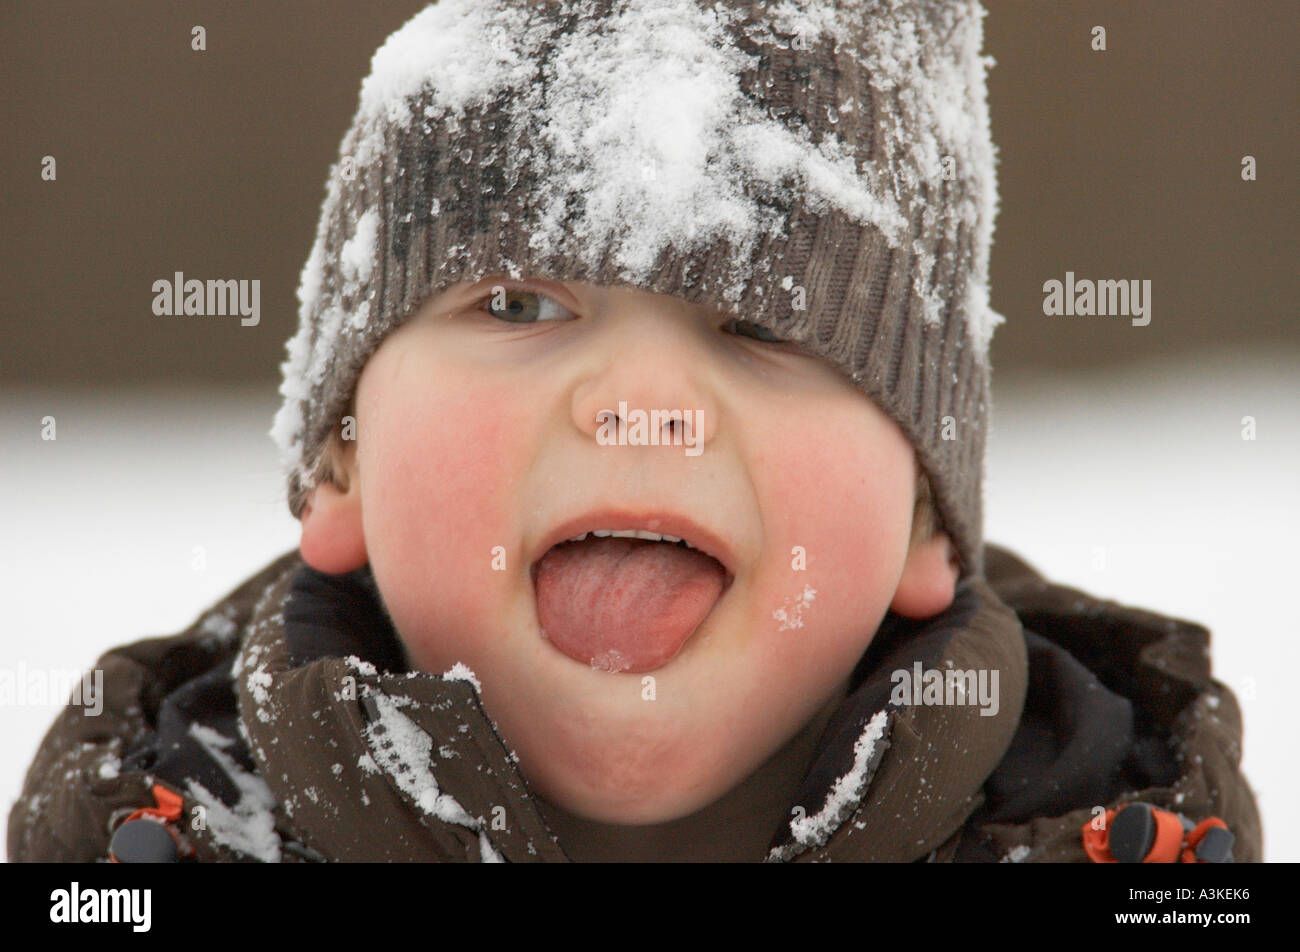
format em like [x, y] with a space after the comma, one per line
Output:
[929, 579]
[332, 538]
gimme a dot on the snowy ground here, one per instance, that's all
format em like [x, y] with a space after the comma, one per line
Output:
[1137, 487]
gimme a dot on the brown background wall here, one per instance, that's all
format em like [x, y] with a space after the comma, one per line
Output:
[1116, 164]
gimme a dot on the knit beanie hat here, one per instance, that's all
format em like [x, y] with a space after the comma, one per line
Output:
[823, 170]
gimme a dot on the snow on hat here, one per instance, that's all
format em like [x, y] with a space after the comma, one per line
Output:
[823, 170]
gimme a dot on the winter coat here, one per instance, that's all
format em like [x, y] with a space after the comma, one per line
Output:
[286, 720]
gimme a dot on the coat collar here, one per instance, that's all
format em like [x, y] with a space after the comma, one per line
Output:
[893, 781]
[373, 762]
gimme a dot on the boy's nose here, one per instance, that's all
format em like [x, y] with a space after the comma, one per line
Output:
[649, 363]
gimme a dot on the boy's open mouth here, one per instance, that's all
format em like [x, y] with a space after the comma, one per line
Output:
[622, 603]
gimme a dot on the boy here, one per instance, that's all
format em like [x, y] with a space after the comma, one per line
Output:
[635, 423]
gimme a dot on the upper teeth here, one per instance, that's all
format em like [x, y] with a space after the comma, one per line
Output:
[631, 534]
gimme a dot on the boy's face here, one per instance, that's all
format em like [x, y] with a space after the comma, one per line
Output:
[478, 446]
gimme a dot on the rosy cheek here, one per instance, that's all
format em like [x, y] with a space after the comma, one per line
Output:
[440, 481]
[837, 534]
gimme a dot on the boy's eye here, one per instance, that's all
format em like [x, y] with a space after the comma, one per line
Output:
[748, 329]
[522, 306]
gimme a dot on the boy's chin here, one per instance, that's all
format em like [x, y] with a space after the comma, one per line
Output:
[607, 799]
[645, 776]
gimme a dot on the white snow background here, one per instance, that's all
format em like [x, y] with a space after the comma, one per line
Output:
[1147, 463]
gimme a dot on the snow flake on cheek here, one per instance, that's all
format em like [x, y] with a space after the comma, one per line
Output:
[790, 614]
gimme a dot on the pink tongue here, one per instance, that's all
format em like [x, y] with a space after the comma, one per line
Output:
[624, 604]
